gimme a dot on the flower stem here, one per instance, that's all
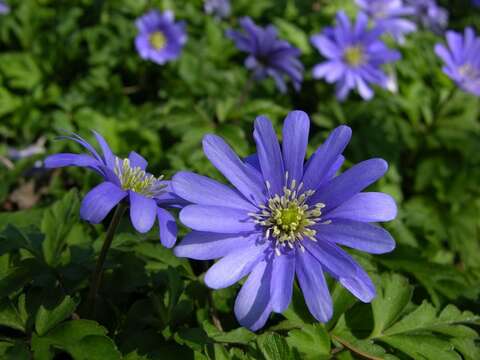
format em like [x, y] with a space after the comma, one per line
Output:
[97, 275]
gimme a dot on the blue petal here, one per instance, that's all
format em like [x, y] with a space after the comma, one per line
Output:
[168, 228]
[136, 160]
[107, 152]
[217, 219]
[295, 140]
[234, 266]
[244, 178]
[269, 154]
[252, 307]
[332, 258]
[99, 201]
[205, 191]
[349, 183]
[314, 287]
[357, 235]
[325, 157]
[366, 207]
[283, 274]
[67, 159]
[143, 211]
[360, 285]
[201, 245]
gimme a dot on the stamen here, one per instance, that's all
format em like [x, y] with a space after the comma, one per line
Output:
[137, 180]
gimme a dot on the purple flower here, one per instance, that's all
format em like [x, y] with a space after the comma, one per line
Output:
[220, 8]
[354, 55]
[123, 179]
[388, 15]
[429, 14]
[160, 39]
[476, 2]
[283, 217]
[4, 8]
[462, 59]
[268, 56]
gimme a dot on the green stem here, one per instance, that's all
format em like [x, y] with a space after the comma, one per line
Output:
[97, 275]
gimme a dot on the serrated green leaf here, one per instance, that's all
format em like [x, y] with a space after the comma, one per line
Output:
[273, 347]
[312, 341]
[47, 319]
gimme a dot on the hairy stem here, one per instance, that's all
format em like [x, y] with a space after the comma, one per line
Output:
[97, 275]
[355, 350]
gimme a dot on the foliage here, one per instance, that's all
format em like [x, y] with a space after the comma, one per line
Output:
[72, 66]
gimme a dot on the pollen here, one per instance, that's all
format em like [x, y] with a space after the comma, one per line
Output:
[158, 40]
[288, 219]
[137, 180]
[354, 56]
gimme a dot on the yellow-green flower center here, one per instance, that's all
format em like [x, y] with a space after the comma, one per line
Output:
[354, 55]
[288, 219]
[137, 180]
[158, 40]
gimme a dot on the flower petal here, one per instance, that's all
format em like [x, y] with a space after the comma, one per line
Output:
[283, 270]
[168, 228]
[234, 266]
[252, 307]
[360, 285]
[205, 191]
[349, 183]
[107, 152]
[244, 178]
[143, 211]
[357, 235]
[269, 154]
[67, 159]
[325, 157]
[200, 245]
[314, 287]
[295, 140]
[332, 258]
[366, 207]
[217, 219]
[136, 160]
[99, 201]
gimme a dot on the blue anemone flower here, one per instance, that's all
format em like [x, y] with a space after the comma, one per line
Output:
[389, 15]
[429, 14]
[268, 55]
[355, 56]
[462, 59]
[284, 217]
[160, 38]
[220, 8]
[123, 180]
[4, 8]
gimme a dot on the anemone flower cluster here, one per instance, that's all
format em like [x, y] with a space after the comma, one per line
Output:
[268, 55]
[160, 39]
[429, 14]
[462, 59]
[123, 180]
[284, 218]
[219, 8]
[355, 55]
[390, 16]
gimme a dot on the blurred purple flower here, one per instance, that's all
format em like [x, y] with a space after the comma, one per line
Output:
[389, 16]
[123, 179]
[476, 2]
[284, 217]
[160, 39]
[219, 8]
[354, 55]
[462, 59]
[4, 8]
[34, 149]
[268, 56]
[429, 14]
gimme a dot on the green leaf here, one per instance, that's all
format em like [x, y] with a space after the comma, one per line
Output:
[312, 341]
[12, 317]
[274, 347]
[83, 339]
[19, 276]
[20, 69]
[56, 224]
[47, 319]
[237, 336]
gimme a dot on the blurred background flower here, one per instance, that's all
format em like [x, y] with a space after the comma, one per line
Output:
[268, 55]
[4, 8]
[389, 15]
[160, 39]
[355, 55]
[219, 8]
[462, 59]
[429, 14]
